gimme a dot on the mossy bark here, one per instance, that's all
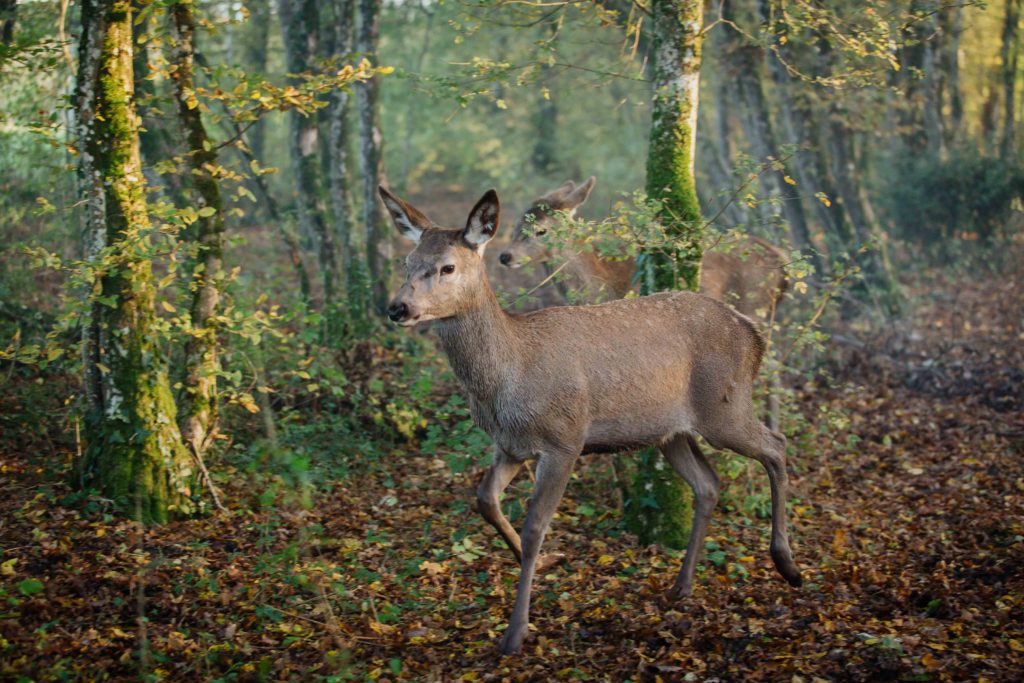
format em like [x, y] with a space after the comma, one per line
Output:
[660, 508]
[199, 405]
[135, 454]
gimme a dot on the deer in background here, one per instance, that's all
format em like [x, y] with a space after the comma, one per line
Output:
[750, 275]
[561, 382]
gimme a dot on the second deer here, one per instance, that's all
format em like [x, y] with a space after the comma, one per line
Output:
[749, 276]
[565, 381]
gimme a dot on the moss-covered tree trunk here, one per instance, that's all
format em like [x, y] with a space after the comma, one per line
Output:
[378, 247]
[135, 454]
[199, 405]
[660, 508]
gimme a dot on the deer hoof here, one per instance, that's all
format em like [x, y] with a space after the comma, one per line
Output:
[787, 567]
[549, 561]
[512, 641]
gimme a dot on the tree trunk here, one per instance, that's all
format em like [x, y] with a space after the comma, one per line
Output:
[199, 415]
[300, 24]
[954, 29]
[135, 453]
[156, 141]
[747, 61]
[255, 51]
[8, 14]
[661, 509]
[340, 178]
[378, 247]
[932, 105]
[1009, 54]
[546, 115]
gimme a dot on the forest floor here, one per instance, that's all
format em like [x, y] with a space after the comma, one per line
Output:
[907, 517]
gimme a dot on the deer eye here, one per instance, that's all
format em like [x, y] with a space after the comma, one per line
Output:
[447, 270]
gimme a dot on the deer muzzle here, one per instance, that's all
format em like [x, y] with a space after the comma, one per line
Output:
[401, 313]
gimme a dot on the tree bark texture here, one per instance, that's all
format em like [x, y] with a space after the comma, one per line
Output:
[1009, 56]
[670, 157]
[300, 25]
[199, 414]
[748, 69]
[378, 247]
[660, 508]
[135, 453]
[340, 178]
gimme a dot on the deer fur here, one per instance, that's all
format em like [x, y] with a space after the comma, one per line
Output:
[560, 382]
[749, 275]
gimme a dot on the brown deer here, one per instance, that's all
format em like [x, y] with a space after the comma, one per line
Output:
[749, 274]
[561, 382]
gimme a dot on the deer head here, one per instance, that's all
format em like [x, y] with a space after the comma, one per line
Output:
[445, 272]
[540, 218]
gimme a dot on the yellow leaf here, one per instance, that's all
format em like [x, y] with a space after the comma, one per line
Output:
[501, 104]
[385, 70]
[801, 287]
[167, 307]
[103, 368]
[930, 662]
[824, 200]
[605, 560]
[7, 568]
[101, 532]
[789, 180]
[1016, 645]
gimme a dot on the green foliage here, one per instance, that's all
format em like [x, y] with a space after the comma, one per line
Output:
[968, 196]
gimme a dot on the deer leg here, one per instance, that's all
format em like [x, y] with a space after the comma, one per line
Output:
[552, 477]
[689, 462]
[496, 480]
[769, 448]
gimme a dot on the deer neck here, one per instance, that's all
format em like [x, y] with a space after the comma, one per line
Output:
[481, 344]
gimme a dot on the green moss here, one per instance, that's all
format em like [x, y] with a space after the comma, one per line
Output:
[661, 506]
[135, 453]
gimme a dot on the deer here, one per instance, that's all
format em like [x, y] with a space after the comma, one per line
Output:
[557, 383]
[750, 275]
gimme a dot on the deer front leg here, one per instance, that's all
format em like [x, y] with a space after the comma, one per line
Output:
[552, 476]
[488, 495]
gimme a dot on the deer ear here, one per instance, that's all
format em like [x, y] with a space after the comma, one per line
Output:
[483, 220]
[409, 221]
[580, 194]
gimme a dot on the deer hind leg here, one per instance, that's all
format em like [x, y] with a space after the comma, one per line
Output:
[768, 447]
[689, 462]
[552, 477]
[488, 495]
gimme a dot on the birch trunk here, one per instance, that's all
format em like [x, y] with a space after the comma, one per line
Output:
[135, 454]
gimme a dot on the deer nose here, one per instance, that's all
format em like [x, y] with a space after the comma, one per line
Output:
[398, 311]
[505, 258]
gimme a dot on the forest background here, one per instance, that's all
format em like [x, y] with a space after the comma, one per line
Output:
[220, 463]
